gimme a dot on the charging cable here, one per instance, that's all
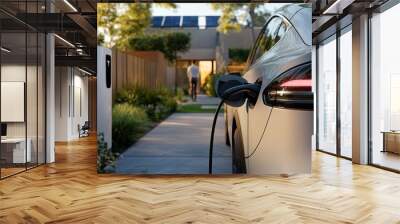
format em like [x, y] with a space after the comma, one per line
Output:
[212, 137]
[252, 91]
[262, 135]
[210, 160]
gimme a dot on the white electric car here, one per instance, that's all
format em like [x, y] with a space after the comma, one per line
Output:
[268, 111]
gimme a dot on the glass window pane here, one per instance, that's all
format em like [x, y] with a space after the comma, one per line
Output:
[13, 86]
[271, 32]
[31, 98]
[385, 89]
[327, 96]
[268, 38]
[346, 94]
[281, 31]
[41, 98]
[22, 87]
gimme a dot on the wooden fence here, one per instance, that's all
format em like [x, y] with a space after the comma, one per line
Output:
[141, 68]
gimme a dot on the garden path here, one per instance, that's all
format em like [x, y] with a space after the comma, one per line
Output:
[179, 145]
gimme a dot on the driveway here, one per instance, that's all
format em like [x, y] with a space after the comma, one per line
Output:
[178, 145]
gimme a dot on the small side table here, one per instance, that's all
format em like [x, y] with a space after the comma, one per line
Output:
[15, 150]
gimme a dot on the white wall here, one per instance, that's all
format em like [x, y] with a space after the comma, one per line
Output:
[61, 103]
[82, 83]
[71, 87]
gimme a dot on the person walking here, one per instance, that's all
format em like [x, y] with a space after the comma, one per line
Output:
[193, 73]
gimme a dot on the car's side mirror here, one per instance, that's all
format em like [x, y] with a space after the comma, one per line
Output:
[228, 81]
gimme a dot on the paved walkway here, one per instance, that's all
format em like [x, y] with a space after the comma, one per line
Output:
[179, 145]
[207, 100]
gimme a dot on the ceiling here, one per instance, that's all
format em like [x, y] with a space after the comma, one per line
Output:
[74, 22]
[328, 15]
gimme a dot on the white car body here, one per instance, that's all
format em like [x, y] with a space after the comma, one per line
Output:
[285, 145]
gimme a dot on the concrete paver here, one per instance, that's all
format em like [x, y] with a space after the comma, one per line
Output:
[178, 145]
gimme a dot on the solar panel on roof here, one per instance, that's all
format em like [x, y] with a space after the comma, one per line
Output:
[212, 21]
[156, 21]
[172, 21]
[190, 21]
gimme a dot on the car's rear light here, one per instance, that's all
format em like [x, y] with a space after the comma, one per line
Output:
[292, 89]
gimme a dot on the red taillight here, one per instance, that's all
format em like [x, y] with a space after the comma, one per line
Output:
[297, 83]
[292, 89]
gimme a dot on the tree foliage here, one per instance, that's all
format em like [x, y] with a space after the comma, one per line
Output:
[228, 20]
[133, 22]
[119, 22]
[170, 44]
[235, 15]
[176, 42]
[106, 23]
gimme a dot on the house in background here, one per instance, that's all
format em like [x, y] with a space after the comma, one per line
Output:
[208, 46]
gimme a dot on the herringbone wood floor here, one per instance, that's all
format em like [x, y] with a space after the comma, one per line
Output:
[70, 191]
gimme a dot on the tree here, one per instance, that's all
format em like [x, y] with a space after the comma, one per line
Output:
[133, 22]
[118, 22]
[234, 15]
[170, 44]
[176, 42]
[106, 23]
[147, 43]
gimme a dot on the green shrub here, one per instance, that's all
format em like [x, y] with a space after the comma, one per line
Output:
[176, 42]
[209, 84]
[158, 103]
[181, 95]
[105, 157]
[147, 43]
[170, 44]
[238, 55]
[128, 123]
[126, 95]
[185, 90]
[165, 105]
